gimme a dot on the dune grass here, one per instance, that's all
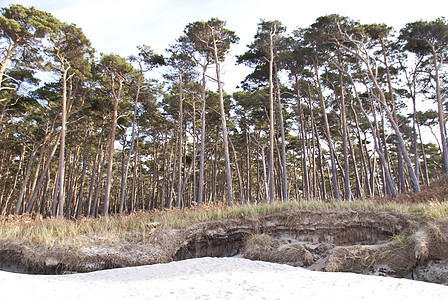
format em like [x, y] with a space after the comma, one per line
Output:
[113, 229]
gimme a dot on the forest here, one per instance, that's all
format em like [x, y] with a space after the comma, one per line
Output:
[334, 111]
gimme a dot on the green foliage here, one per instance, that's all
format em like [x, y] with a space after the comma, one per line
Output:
[22, 25]
[205, 35]
[423, 37]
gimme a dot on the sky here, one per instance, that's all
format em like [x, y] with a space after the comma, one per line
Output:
[117, 26]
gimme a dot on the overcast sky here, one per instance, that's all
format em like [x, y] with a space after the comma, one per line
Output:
[119, 26]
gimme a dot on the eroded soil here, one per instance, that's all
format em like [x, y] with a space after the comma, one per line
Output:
[381, 243]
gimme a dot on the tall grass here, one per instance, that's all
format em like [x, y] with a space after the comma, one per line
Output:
[113, 229]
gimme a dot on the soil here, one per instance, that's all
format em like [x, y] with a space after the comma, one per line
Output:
[379, 243]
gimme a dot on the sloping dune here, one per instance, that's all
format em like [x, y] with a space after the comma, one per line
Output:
[215, 278]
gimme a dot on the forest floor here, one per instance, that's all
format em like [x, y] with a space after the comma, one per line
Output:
[405, 238]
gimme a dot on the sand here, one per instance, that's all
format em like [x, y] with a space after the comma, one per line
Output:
[215, 278]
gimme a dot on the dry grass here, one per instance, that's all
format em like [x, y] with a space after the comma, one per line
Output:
[268, 248]
[112, 229]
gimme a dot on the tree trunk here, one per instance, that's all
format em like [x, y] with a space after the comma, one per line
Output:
[181, 144]
[282, 135]
[394, 110]
[81, 188]
[42, 176]
[328, 136]
[24, 183]
[265, 177]
[94, 174]
[202, 156]
[62, 146]
[224, 126]
[7, 202]
[124, 177]
[111, 147]
[305, 179]
[271, 120]
[441, 114]
[347, 191]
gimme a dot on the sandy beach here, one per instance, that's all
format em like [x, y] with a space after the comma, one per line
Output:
[215, 278]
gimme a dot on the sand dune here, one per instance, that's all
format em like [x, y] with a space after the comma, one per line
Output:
[215, 278]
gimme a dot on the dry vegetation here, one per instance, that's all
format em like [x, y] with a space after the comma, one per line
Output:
[75, 233]
[31, 244]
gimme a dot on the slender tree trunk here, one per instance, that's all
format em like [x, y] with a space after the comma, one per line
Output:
[81, 188]
[441, 114]
[6, 204]
[124, 177]
[43, 203]
[181, 144]
[94, 173]
[42, 176]
[240, 181]
[265, 177]
[359, 193]
[194, 198]
[361, 152]
[394, 110]
[101, 164]
[135, 175]
[321, 167]
[202, 156]
[305, 179]
[282, 135]
[111, 147]
[169, 203]
[328, 136]
[347, 191]
[24, 183]
[271, 119]
[401, 144]
[62, 146]
[248, 168]
[224, 126]
[391, 190]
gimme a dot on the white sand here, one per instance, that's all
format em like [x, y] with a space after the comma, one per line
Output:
[214, 278]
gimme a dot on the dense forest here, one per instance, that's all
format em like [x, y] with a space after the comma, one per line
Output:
[334, 111]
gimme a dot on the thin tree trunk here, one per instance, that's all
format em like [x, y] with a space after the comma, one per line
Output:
[271, 119]
[181, 144]
[124, 177]
[43, 203]
[111, 148]
[24, 183]
[94, 174]
[16, 177]
[305, 179]
[282, 134]
[81, 187]
[101, 164]
[265, 177]
[240, 181]
[62, 146]
[224, 126]
[441, 114]
[377, 144]
[202, 156]
[328, 136]
[347, 191]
